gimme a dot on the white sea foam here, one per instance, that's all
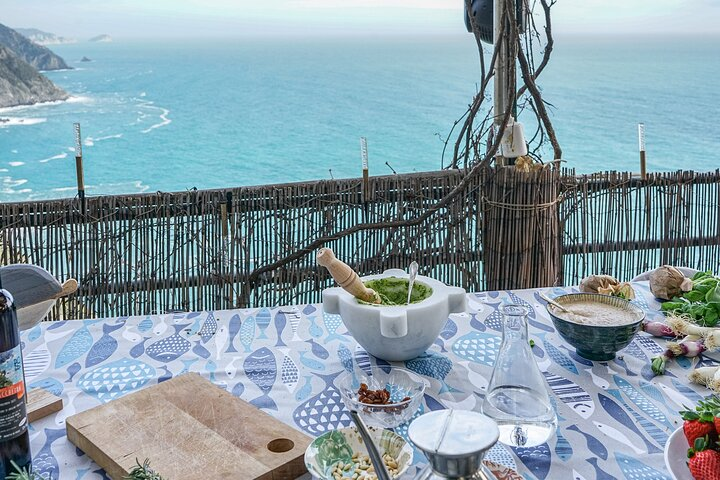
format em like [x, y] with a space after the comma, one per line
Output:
[72, 99]
[89, 142]
[4, 170]
[16, 164]
[8, 184]
[142, 94]
[54, 157]
[107, 137]
[13, 151]
[12, 121]
[163, 117]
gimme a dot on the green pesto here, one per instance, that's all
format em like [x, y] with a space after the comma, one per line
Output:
[393, 291]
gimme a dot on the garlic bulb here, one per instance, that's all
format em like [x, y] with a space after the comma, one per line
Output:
[667, 282]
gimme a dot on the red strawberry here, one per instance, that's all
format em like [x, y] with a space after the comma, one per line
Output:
[698, 425]
[704, 463]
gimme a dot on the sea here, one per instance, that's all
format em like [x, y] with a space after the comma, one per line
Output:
[181, 114]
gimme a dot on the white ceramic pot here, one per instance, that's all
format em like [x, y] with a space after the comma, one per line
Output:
[396, 333]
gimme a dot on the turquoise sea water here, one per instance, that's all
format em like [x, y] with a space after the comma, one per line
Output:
[212, 114]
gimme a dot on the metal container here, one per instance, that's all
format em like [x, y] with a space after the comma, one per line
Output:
[455, 443]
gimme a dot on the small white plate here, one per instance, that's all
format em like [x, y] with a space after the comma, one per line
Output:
[676, 456]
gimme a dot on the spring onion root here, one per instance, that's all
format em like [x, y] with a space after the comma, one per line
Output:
[705, 376]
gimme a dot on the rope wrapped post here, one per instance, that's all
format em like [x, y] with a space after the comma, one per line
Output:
[522, 238]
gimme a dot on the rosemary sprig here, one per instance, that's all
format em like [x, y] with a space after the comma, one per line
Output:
[142, 472]
[24, 473]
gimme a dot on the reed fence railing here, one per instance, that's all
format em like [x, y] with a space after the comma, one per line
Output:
[195, 250]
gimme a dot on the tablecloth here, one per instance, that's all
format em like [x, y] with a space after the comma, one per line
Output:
[614, 417]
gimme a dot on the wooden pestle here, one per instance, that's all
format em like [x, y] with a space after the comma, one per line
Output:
[346, 276]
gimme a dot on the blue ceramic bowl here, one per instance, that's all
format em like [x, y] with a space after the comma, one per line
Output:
[596, 342]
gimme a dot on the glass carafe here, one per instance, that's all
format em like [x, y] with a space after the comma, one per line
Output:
[517, 397]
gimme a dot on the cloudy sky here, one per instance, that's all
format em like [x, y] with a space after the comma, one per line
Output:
[203, 18]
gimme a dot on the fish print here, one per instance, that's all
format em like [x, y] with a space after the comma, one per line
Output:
[247, 333]
[676, 397]
[655, 432]
[684, 362]
[594, 445]
[166, 375]
[577, 358]
[478, 381]
[577, 476]
[495, 319]
[221, 338]
[345, 358]
[160, 328]
[231, 369]
[324, 411]
[44, 462]
[432, 404]
[209, 328]
[280, 323]
[289, 373]
[571, 394]
[653, 392]
[649, 344]
[261, 369]
[383, 365]
[318, 350]
[294, 319]
[311, 363]
[621, 361]
[131, 336]
[558, 357]
[316, 331]
[402, 430]
[332, 323]
[262, 320]
[687, 391]
[468, 403]
[201, 351]
[537, 351]
[36, 362]
[600, 474]
[72, 371]
[500, 454]
[439, 342]
[68, 409]
[362, 358]
[169, 348]
[598, 381]
[634, 350]
[478, 347]
[449, 330]
[619, 415]
[641, 401]
[305, 390]
[476, 324]
[562, 447]
[634, 469]
[49, 384]
[211, 367]
[104, 347]
[139, 349]
[34, 333]
[238, 389]
[617, 435]
[537, 459]
[309, 310]
[432, 365]
[145, 325]
[113, 379]
[79, 343]
[187, 364]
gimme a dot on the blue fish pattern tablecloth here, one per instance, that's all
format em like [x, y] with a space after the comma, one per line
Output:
[614, 417]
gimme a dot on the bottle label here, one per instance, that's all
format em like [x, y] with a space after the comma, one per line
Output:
[13, 417]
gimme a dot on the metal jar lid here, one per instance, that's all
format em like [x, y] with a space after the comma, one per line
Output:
[454, 441]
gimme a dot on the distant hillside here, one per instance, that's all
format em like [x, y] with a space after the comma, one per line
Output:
[36, 55]
[22, 84]
[101, 38]
[44, 38]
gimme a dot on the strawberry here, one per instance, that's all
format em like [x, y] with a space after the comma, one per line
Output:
[704, 463]
[698, 425]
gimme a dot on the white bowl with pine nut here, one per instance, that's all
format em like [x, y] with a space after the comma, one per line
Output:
[341, 454]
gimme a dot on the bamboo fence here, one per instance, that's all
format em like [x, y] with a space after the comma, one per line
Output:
[196, 250]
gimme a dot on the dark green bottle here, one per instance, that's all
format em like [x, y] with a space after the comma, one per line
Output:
[14, 437]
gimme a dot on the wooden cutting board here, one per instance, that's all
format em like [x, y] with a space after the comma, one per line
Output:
[189, 428]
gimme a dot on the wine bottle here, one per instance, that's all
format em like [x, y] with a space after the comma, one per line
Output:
[14, 437]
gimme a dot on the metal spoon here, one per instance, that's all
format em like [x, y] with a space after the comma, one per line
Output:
[413, 270]
[373, 453]
[559, 306]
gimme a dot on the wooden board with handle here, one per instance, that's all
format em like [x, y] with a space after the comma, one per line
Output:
[189, 428]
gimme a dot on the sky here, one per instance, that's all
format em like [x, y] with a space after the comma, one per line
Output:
[82, 19]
